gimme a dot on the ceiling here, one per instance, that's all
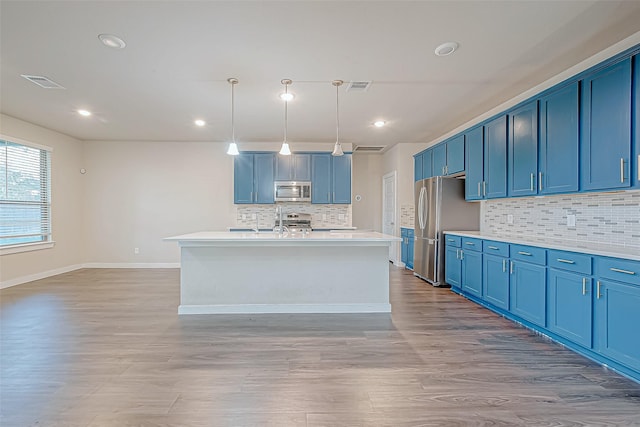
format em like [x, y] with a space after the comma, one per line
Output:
[179, 55]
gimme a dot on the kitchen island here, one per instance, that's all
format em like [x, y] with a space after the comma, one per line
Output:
[265, 272]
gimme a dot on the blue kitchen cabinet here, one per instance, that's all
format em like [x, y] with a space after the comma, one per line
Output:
[404, 247]
[410, 247]
[296, 167]
[417, 167]
[440, 159]
[523, 150]
[570, 306]
[452, 262]
[495, 280]
[527, 291]
[495, 158]
[330, 179]
[635, 170]
[455, 155]
[321, 178]
[605, 144]
[253, 176]
[558, 169]
[471, 272]
[474, 155]
[423, 165]
[341, 179]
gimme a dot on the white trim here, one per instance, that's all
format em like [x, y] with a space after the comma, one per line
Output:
[396, 225]
[23, 142]
[283, 308]
[26, 247]
[38, 276]
[131, 265]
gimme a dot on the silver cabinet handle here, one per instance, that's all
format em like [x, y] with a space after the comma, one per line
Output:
[598, 289]
[457, 255]
[443, 172]
[524, 253]
[511, 267]
[484, 188]
[469, 243]
[622, 169]
[450, 240]
[566, 261]
[584, 286]
[493, 247]
[540, 180]
[504, 265]
[617, 270]
[479, 188]
[638, 167]
[533, 176]
[334, 197]
[461, 254]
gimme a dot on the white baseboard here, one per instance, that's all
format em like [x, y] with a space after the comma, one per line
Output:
[38, 276]
[55, 272]
[283, 308]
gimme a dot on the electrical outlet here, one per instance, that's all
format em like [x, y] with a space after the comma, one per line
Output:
[571, 220]
[253, 216]
[244, 216]
[136, 251]
[324, 217]
[509, 219]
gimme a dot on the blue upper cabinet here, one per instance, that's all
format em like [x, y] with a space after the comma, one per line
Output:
[495, 158]
[523, 150]
[341, 179]
[417, 167]
[427, 164]
[330, 179]
[321, 178]
[296, 167]
[558, 169]
[455, 155]
[253, 176]
[474, 155]
[636, 123]
[606, 128]
[440, 160]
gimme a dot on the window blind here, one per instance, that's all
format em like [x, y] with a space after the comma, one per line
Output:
[25, 194]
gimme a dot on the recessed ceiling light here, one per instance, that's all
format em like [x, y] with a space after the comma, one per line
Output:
[112, 41]
[286, 96]
[200, 122]
[84, 113]
[379, 123]
[446, 48]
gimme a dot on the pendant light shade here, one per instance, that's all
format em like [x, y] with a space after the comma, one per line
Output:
[285, 150]
[337, 148]
[233, 147]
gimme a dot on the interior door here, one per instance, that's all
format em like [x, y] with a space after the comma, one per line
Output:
[389, 211]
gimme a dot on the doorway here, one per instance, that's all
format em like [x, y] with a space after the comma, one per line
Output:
[389, 211]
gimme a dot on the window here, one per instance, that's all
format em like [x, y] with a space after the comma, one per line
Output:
[25, 194]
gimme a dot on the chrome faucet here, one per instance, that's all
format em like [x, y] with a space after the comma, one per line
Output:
[257, 229]
[280, 228]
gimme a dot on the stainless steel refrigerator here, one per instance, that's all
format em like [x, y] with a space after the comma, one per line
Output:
[440, 206]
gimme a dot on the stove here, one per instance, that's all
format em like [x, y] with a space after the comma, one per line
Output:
[296, 222]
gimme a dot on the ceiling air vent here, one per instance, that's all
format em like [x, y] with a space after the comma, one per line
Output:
[358, 86]
[368, 148]
[43, 82]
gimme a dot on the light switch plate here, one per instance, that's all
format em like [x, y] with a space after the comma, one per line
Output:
[509, 219]
[571, 220]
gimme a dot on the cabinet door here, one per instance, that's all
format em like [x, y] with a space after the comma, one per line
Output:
[523, 150]
[341, 179]
[527, 291]
[495, 281]
[440, 160]
[320, 178]
[455, 155]
[606, 128]
[495, 158]
[635, 171]
[417, 167]
[283, 167]
[404, 246]
[474, 155]
[410, 239]
[617, 318]
[243, 179]
[264, 171]
[472, 272]
[558, 170]
[570, 307]
[301, 167]
[427, 164]
[452, 266]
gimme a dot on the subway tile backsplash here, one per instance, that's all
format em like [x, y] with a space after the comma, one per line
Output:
[612, 218]
[322, 216]
[407, 216]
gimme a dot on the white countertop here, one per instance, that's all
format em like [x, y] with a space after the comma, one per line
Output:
[268, 238]
[592, 248]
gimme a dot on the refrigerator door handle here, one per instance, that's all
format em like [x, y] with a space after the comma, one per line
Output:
[421, 208]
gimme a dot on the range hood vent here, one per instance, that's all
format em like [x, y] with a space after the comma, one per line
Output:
[43, 82]
[369, 148]
[358, 86]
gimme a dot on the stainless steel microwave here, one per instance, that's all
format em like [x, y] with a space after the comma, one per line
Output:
[292, 191]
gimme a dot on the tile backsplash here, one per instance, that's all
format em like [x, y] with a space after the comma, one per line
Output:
[407, 216]
[600, 217]
[322, 216]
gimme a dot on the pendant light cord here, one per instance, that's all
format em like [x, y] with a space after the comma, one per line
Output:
[337, 115]
[233, 109]
[286, 104]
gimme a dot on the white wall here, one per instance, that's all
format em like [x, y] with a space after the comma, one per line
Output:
[367, 182]
[66, 207]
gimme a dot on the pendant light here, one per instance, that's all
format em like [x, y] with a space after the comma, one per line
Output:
[285, 151]
[337, 149]
[233, 147]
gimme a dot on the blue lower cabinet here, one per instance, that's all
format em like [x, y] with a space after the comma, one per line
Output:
[452, 266]
[617, 316]
[471, 277]
[570, 312]
[404, 249]
[410, 239]
[495, 281]
[527, 291]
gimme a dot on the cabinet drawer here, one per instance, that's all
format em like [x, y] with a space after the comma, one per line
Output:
[453, 240]
[618, 269]
[570, 261]
[495, 248]
[404, 232]
[530, 254]
[472, 244]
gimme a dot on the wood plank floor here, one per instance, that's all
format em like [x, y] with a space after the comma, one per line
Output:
[103, 347]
